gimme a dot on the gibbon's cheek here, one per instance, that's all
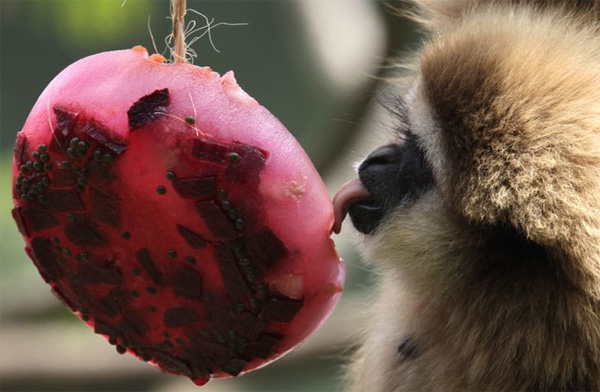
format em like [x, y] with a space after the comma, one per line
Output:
[392, 175]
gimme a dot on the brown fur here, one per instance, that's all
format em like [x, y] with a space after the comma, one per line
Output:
[435, 14]
[496, 272]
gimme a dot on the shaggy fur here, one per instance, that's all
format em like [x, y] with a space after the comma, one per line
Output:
[491, 281]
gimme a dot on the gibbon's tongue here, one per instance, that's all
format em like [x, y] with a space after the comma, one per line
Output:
[349, 193]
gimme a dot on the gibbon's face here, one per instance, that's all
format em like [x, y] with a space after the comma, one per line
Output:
[391, 177]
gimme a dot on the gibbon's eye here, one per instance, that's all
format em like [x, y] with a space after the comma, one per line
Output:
[393, 175]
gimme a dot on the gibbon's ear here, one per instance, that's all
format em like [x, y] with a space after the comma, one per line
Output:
[436, 14]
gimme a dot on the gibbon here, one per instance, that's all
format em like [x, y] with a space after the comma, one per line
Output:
[482, 217]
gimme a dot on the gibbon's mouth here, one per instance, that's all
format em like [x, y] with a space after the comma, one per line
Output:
[355, 199]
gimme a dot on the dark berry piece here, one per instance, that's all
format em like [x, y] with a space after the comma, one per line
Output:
[215, 219]
[178, 317]
[266, 345]
[45, 259]
[234, 282]
[145, 259]
[105, 206]
[281, 309]
[65, 200]
[235, 366]
[186, 281]
[194, 239]
[195, 187]
[148, 108]
[102, 136]
[34, 218]
[99, 274]
[82, 231]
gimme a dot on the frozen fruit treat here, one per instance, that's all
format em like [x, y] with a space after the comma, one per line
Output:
[175, 215]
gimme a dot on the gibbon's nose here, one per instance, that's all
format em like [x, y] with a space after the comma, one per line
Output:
[381, 156]
[353, 196]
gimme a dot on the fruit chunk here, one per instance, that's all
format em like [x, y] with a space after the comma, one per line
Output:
[162, 205]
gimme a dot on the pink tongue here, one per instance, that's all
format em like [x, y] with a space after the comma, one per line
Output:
[350, 192]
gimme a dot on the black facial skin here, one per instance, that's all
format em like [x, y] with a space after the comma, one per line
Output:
[393, 174]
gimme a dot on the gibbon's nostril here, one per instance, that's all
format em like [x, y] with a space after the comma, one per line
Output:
[384, 155]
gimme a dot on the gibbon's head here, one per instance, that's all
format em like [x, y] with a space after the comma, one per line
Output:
[499, 137]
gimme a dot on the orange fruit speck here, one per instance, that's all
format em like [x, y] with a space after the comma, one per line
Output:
[139, 48]
[159, 58]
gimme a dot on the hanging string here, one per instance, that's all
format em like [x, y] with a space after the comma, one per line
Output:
[178, 10]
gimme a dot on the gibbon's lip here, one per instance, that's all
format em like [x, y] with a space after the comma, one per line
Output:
[350, 193]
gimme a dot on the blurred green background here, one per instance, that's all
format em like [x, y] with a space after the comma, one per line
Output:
[315, 64]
